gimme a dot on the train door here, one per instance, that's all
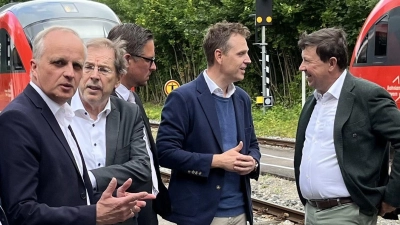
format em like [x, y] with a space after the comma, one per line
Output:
[13, 73]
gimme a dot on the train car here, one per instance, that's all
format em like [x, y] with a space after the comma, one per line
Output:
[376, 56]
[20, 23]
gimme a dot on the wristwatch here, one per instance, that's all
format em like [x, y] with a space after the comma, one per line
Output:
[256, 166]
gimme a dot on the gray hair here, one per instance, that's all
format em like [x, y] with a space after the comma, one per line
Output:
[38, 43]
[118, 46]
[217, 37]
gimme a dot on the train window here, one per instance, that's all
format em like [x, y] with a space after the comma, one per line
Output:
[362, 52]
[16, 61]
[394, 37]
[4, 51]
[381, 30]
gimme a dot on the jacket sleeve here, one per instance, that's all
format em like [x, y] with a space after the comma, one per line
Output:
[20, 157]
[137, 164]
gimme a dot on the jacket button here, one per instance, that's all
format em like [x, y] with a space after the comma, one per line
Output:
[218, 187]
[354, 135]
[83, 195]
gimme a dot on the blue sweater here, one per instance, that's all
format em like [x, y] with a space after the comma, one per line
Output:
[231, 202]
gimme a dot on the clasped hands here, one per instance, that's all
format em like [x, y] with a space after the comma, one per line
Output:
[111, 210]
[233, 161]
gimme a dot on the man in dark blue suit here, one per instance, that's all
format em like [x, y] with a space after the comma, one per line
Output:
[43, 175]
[3, 219]
[207, 138]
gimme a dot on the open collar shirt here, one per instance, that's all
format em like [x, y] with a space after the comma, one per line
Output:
[320, 176]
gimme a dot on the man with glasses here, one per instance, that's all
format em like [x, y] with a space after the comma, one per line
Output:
[109, 130]
[140, 58]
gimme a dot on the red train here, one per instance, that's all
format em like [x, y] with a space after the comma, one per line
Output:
[376, 55]
[20, 22]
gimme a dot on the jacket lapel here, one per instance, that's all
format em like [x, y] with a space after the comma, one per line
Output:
[343, 111]
[112, 130]
[239, 107]
[207, 103]
[32, 94]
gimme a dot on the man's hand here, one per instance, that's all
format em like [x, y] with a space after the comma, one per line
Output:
[386, 208]
[110, 210]
[227, 159]
[244, 164]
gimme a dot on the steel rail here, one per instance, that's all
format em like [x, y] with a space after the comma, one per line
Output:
[261, 140]
[263, 207]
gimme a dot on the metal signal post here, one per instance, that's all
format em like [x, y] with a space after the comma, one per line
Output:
[263, 18]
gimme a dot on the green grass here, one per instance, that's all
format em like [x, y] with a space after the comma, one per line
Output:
[276, 121]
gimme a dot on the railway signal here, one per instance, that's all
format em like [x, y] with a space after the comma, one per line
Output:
[263, 12]
[262, 19]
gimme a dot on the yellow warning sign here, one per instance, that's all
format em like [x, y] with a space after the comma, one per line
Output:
[170, 86]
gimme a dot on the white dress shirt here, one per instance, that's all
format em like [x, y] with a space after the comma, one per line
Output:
[64, 116]
[320, 176]
[127, 95]
[91, 135]
[214, 89]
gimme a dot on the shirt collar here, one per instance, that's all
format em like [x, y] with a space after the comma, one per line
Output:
[54, 107]
[122, 91]
[335, 89]
[79, 109]
[214, 89]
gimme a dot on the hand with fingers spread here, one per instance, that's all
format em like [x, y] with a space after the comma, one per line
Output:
[112, 210]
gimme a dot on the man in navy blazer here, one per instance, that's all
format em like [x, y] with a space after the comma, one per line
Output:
[43, 176]
[207, 138]
[3, 218]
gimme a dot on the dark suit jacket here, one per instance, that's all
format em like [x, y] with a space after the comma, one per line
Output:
[162, 204]
[38, 172]
[366, 118]
[3, 218]
[188, 136]
[126, 154]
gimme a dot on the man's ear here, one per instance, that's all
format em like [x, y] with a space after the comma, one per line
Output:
[218, 55]
[332, 63]
[33, 69]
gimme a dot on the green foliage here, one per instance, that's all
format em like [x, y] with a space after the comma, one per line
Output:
[153, 111]
[277, 121]
[179, 27]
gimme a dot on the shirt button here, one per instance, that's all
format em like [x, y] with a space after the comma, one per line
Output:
[95, 144]
[354, 135]
[99, 164]
[218, 187]
[83, 195]
[85, 113]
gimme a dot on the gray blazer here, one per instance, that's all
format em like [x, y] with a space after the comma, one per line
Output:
[366, 119]
[126, 154]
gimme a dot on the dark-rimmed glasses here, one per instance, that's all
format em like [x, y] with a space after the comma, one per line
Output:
[149, 60]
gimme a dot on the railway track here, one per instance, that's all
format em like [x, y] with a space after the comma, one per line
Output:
[265, 208]
[264, 141]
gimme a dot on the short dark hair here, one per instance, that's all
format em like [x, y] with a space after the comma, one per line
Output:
[330, 42]
[217, 37]
[135, 36]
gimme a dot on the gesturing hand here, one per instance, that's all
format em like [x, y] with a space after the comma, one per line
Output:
[110, 210]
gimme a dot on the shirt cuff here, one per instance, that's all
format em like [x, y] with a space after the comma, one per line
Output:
[93, 180]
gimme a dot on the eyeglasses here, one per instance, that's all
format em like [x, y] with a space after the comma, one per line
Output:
[101, 69]
[149, 60]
